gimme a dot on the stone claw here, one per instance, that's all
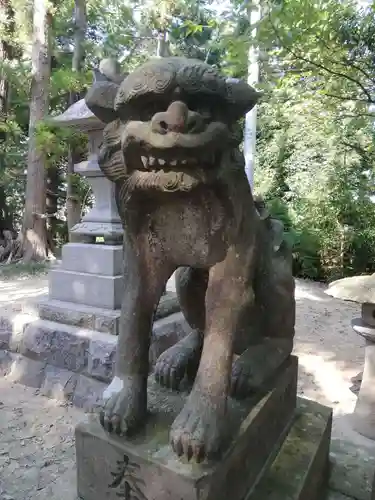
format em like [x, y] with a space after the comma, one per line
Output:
[126, 407]
[178, 361]
[196, 432]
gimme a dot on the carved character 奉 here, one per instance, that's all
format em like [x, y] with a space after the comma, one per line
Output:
[171, 146]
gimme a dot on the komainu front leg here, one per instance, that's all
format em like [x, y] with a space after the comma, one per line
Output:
[254, 367]
[199, 429]
[125, 406]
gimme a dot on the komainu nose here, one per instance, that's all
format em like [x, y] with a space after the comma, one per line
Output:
[175, 119]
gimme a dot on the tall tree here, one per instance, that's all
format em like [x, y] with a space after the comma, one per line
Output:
[6, 54]
[34, 230]
[73, 202]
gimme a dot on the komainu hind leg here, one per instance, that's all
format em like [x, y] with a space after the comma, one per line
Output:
[254, 367]
[259, 362]
[183, 358]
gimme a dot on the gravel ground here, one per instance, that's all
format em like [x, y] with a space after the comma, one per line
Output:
[37, 455]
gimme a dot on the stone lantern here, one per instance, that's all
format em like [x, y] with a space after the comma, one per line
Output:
[361, 289]
[103, 219]
[91, 272]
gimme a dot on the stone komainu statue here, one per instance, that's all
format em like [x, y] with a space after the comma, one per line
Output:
[171, 146]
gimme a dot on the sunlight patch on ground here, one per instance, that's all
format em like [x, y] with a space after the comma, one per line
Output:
[330, 383]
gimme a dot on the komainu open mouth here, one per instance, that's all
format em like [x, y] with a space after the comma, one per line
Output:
[153, 163]
[178, 174]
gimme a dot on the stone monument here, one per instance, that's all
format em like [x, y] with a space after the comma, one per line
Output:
[218, 418]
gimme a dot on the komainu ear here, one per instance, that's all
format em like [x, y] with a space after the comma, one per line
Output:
[241, 96]
[100, 99]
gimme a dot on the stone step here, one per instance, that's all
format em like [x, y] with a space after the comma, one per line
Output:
[96, 318]
[301, 467]
[74, 364]
[88, 351]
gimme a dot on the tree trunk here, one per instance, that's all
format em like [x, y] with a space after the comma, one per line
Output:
[73, 203]
[34, 230]
[6, 54]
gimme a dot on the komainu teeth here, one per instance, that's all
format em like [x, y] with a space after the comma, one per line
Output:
[174, 163]
[151, 161]
[184, 162]
[161, 162]
[144, 161]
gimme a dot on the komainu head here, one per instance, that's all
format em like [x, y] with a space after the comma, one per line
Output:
[169, 123]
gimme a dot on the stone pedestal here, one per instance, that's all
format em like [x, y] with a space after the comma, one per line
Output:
[103, 219]
[275, 451]
[90, 275]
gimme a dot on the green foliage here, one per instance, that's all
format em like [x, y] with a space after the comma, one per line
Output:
[315, 140]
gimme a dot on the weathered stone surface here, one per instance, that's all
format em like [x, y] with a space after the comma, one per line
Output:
[300, 469]
[67, 313]
[12, 328]
[58, 383]
[69, 349]
[101, 356]
[152, 471]
[165, 333]
[5, 362]
[88, 394]
[6, 329]
[352, 469]
[107, 324]
[89, 351]
[26, 371]
[36, 340]
[59, 345]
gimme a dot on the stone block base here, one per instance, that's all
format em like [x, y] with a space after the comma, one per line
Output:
[94, 290]
[301, 467]
[145, 467]
[106, 260]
